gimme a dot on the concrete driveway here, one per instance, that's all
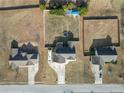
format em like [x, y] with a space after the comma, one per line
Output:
[58, 67]
[60, 70]
[32, 71]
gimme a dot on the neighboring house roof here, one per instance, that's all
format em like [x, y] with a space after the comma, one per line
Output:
[62, 49]
[104, 54]
[106, 51]
[29, 48]
[18, 57]
[24, 52]
[100, 31]
[63, 52]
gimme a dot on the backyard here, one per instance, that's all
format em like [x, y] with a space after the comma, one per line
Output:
[56, 25]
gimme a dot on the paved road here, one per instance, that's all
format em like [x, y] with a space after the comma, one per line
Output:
[61, 88]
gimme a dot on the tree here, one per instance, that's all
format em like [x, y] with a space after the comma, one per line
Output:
[65, 7]
[42, 7]
[82, 10]
[14, 44]
[71, 5]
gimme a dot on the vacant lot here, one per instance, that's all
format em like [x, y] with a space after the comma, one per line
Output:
[56, 25]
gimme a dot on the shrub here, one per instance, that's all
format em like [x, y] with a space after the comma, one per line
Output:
[42, 7]
[57, 11]
[82, 10]
[71, 5]
[65, 7]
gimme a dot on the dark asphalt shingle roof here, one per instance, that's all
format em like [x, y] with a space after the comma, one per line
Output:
[106, 51]
[28, 49]
[66, 50]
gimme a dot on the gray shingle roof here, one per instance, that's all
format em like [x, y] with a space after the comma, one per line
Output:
[106, 51]
[27, 49]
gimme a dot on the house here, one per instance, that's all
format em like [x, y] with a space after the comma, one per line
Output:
[59, 56]
[23, 55]
[63, 53]
[100, 39]
[102, 56]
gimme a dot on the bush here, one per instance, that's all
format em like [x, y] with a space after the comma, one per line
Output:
[82, 10]
[65, 8]
[57, 12]
[71, 5]
[54, 5]
[42, 7]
